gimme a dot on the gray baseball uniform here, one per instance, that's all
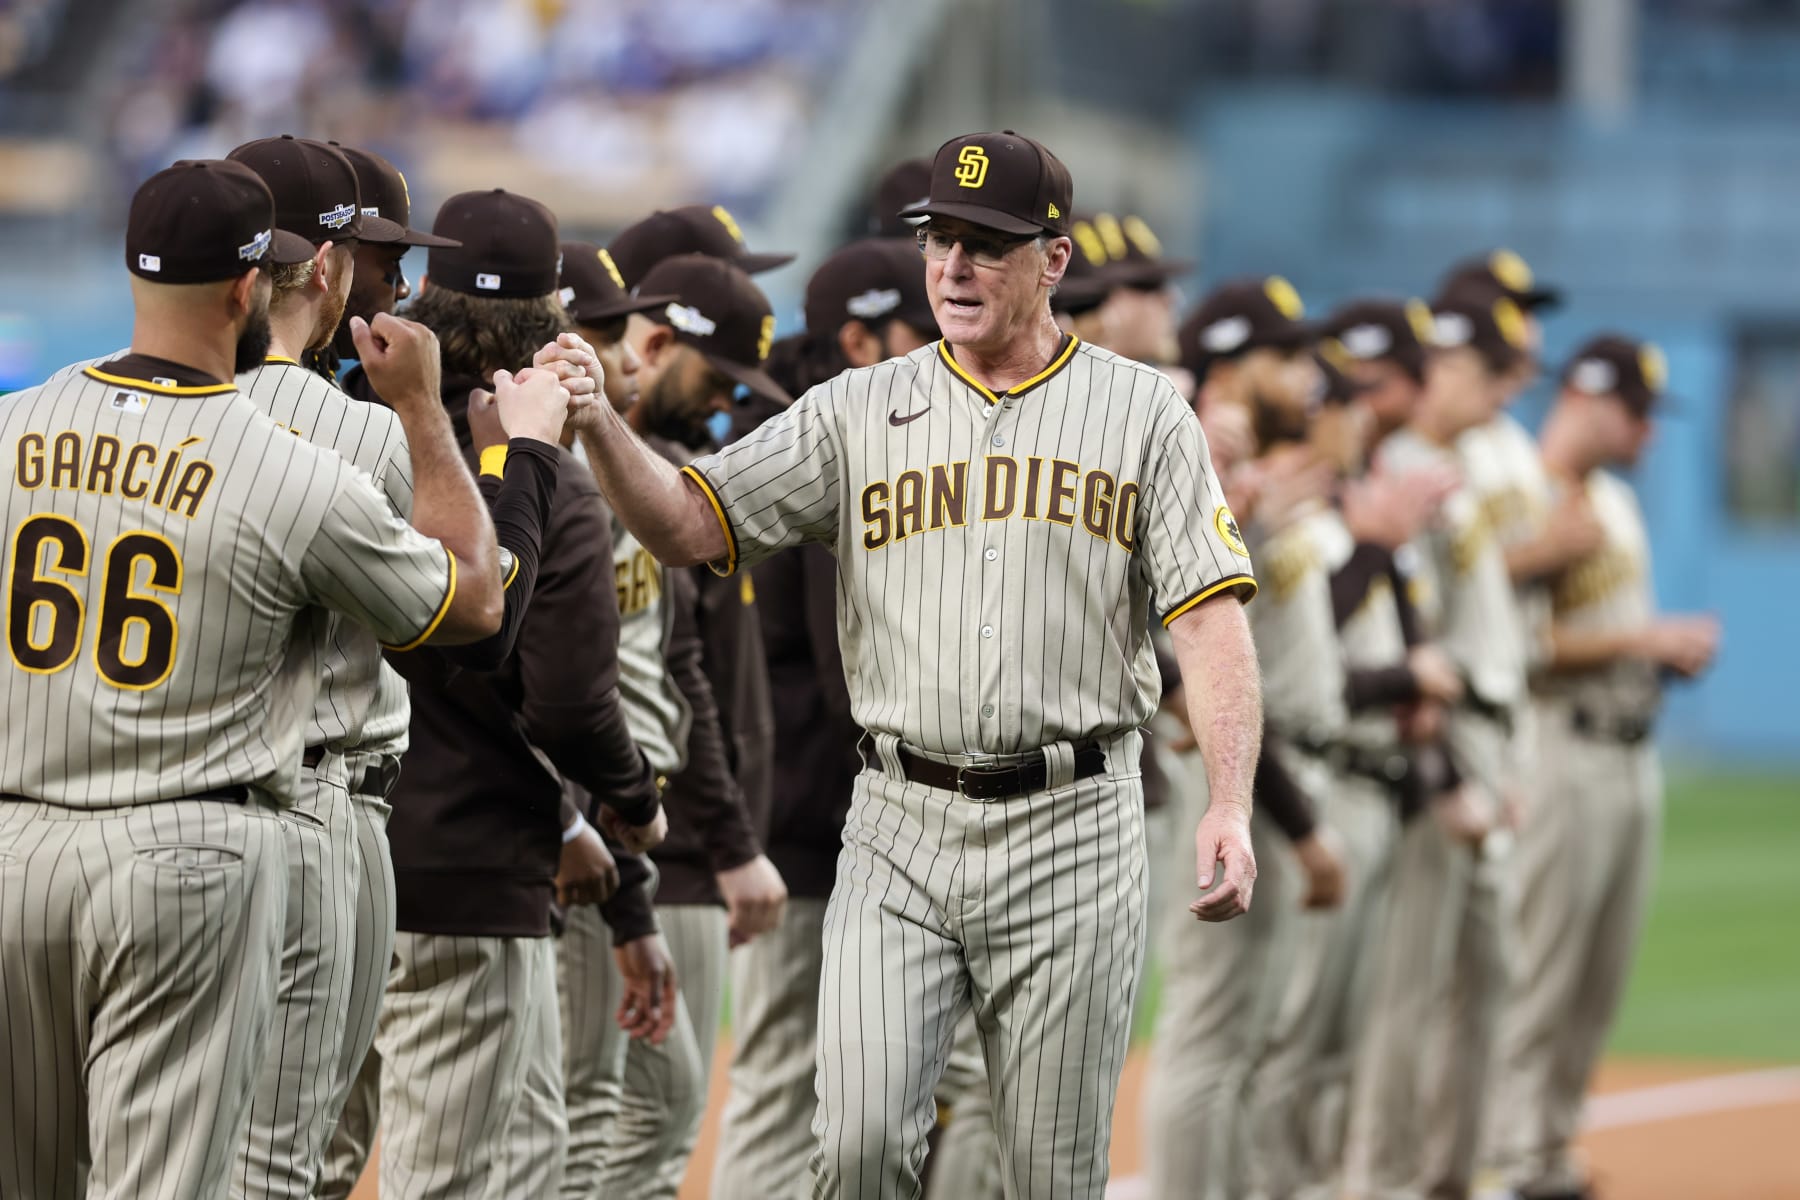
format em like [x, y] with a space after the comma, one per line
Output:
[299, 1091]
[171, 557]
[1586, 855]
[998, 555]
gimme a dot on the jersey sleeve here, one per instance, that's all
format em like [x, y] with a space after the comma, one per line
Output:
[1189, 540]
[778, 487]
[396, 470]
[369, 565]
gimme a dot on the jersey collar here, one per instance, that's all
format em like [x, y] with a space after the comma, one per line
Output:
[1061, 360]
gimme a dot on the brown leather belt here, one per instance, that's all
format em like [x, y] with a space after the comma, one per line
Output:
[378, 780]
[1031, 773]
[312, 757]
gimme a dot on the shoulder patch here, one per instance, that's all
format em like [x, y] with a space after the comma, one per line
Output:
[1227, 526]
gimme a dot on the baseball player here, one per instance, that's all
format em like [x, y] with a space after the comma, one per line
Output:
[864, 304]
[1416, 1110]
[690, 229]
[223, 537]
[1586, 851]
[1249, 348]
[902, 186]
[997, 659]
[469, 1035]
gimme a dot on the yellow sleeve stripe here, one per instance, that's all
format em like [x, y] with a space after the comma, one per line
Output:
[512, 574]
[442, 612]
[1207, 593]
[145, 385]
[731, 546]
[493, 460]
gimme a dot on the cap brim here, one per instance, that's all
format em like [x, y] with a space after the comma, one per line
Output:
[1148, 274]
[287, 248]
[755, 264]
[592, 313]
[976, 214]
[381, 230]
[754, 378]
[1535, 298]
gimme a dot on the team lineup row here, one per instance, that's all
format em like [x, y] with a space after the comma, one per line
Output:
[421, 779]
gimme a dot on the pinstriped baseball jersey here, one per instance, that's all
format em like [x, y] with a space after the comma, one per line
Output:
[1610, 590]
[369, 436]
[1466, 592]
[170, 553]
[1295, 630]
[998, 554]
[1502, 466]
[655, 710]
[386, 726]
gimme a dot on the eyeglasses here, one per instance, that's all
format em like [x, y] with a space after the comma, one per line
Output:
[983, 249]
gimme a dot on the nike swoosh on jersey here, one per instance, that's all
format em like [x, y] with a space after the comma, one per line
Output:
[894, 417]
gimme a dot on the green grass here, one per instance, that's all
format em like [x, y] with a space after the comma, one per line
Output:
[1718, 969]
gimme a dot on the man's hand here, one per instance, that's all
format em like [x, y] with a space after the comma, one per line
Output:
[586, 873]
[639, 839]
[1391, 508]
[401, 359]
[1685, 645]
[754, 896]
[1436, 675]
[647, 1009]
[1572, 531]
[1467, 814]
[1326, 880]
[485, 429]
[1222, 848]
[532, 404]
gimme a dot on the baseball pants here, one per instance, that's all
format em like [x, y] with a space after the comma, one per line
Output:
[965, 1163]
[1586, 854]
[1027, 909]
[459, 1027]
[1421, 1075]
[765, 1137]
[1306, 1058]
[138, 956]
[292, 1110]
[1220, 985]
[355, 1103]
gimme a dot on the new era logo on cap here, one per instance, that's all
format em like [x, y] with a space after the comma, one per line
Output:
[691, 320]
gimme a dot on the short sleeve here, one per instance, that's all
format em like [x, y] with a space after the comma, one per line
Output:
[1187, 536]
[377, 570]
[779, 486]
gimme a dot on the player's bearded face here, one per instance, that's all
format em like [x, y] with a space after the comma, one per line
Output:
[253, 340]
[677, 402]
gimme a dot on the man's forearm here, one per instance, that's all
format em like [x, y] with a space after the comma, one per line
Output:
[1581, 650]
[669, 515]
[446, 503]
[1224, 694]
[1535, 560]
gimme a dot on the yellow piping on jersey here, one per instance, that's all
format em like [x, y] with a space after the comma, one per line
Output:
[1208, 593]
[145, 385]
[1056, 364]
[731, 546]
[283, 359]
[512, 574]
[442, 612]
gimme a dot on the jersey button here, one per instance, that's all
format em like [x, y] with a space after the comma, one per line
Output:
[987, 710]
[998, 440]
[990, 554]
[987, 631]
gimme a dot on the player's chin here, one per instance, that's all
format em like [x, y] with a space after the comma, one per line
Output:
[962, 322]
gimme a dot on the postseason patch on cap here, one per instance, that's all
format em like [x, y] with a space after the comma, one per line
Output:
[1366, 341]
[250, 251]
[1594, 376]
[566, 295]
[876, 302]
[1222, 337]
[338, 217]
[691, 320]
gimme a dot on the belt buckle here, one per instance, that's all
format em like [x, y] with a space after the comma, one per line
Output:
[977, 762]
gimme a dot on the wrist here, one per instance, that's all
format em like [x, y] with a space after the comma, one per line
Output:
[575, 829]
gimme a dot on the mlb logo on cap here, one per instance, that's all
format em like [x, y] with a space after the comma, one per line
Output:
[488, 283]
[149, 262]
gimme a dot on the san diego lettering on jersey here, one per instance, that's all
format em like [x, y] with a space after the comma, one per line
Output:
[1034, 489]
[169, 477]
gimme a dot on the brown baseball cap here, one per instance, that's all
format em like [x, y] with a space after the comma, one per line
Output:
[1613, 364]
[1504, 272]
[690, 229]
[315, 189]
[1241, 315]
[1492, 325]
[205, 220]
[593, 290]
[1372, 329]
[873, 281]
[1002, 181]
[1085, 283]
[386, 201]
[906, 185]
[720, 312]
[500, 244]
[1134, 253]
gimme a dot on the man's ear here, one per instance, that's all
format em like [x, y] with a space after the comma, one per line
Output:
[324, 268]
[1056, 261]
[658, 342]
[861, 346]
[243, 291]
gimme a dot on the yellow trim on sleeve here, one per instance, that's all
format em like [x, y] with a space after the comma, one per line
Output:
[493, 461]
[1056, 364]
[1207, 593]
[512, 574]
[161, 389]
[731, 546]
[442, 612]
